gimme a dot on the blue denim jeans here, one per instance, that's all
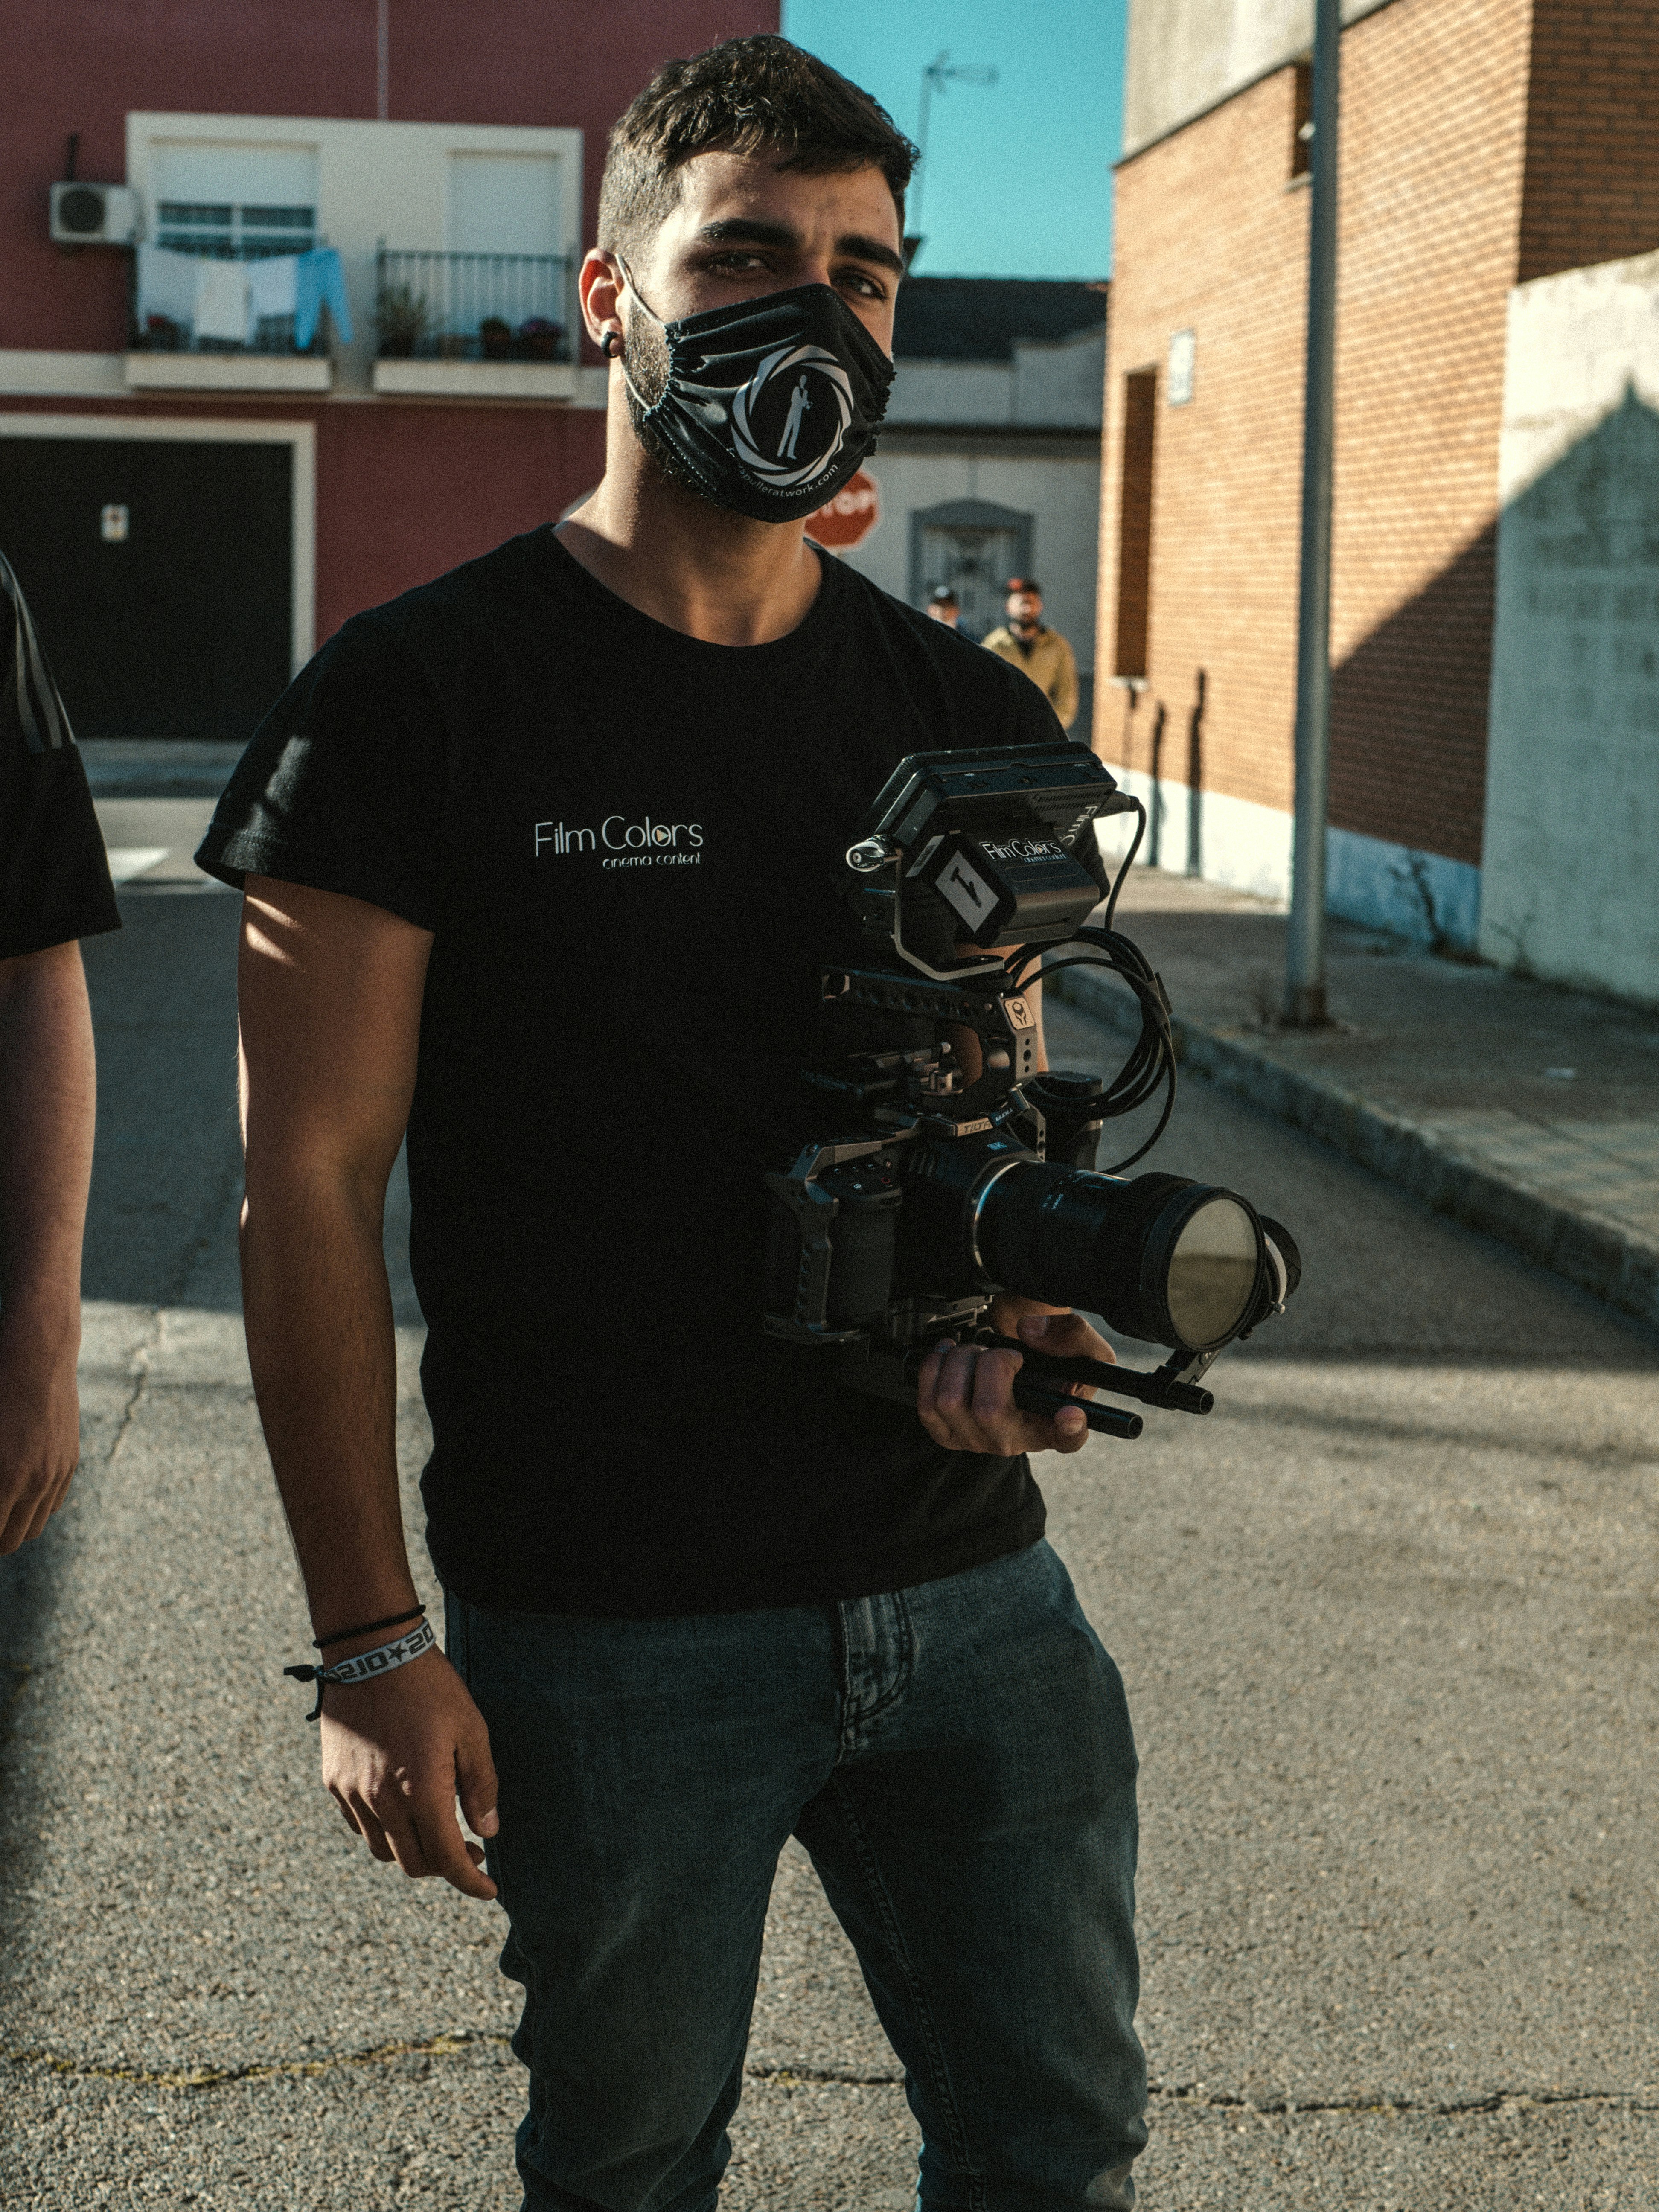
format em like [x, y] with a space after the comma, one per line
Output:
[957, 1758]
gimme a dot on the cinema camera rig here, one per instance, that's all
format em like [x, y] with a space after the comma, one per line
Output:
[956, 1169]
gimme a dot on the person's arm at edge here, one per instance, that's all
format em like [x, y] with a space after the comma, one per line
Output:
[329, 991]
[47, 1104]
[1065, 696]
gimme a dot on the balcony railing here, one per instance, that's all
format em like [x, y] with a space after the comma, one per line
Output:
[473, 306]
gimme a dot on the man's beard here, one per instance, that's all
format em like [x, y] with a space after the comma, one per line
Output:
[645, 362]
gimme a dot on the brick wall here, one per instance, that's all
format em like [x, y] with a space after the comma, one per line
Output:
[1434, 120]
[1212, 235]
[1592, 175]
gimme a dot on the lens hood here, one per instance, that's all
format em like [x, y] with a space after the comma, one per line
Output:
[1161, 1258]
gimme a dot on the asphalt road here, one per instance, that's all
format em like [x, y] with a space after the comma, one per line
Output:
[1386, 1620]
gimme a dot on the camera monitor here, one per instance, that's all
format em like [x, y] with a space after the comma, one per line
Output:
[996, 846]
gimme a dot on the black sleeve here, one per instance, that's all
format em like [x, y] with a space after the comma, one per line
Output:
[342, 787]
[54, 877]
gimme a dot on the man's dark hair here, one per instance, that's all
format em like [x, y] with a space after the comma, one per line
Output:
[743, 96]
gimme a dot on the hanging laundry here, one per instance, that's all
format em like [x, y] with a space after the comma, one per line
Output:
[222, 300]
[272, 285]
[320, 283]
[166, 285]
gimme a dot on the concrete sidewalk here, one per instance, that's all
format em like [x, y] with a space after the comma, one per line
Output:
[1514, 1106]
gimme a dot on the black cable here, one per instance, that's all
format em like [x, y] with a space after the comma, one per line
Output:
[1129, 862]
[1151, 1064]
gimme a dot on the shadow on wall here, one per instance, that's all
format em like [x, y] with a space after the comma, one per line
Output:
[1571, 876]
[1543, 628]
[1408, 741]
[1408, 714]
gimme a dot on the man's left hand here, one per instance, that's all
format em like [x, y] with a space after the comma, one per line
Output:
[965, 1395]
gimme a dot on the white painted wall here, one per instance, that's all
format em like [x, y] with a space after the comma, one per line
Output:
[965, 391]
[1572, 856]
[1062, 495]
[390, 181]
[1050, 383]
[1420, 896]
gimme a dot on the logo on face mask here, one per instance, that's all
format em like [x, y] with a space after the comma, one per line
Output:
[799, 394]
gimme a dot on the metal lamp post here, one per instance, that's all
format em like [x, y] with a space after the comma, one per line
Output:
[1305, 974]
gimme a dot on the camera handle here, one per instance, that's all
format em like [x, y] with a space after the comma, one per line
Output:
[1173, 1385]
[1034, 1395]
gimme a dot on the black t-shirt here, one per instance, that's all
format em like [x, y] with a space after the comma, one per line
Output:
[628, 844]
[54, 878]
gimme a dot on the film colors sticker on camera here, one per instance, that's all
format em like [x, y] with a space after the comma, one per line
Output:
[959, 872]
[987, 885]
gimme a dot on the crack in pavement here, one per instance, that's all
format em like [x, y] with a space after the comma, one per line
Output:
[456, 2045]
[220, 2077]
[1494, 2100]
[139, 1370]
[445, 2045]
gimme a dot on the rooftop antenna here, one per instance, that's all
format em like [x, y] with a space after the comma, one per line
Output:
[939, 72]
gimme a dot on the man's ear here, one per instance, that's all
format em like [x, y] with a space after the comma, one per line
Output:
[599, 286]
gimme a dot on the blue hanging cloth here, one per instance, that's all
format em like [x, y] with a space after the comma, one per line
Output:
[319, 282]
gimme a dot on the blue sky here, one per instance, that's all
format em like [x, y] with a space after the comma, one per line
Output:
[1020, 182]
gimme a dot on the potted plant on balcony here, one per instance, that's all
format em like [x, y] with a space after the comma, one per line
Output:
[539, 340]
[400, 321]
[495, 338]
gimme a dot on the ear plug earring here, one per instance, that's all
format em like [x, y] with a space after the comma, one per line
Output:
[610, 345]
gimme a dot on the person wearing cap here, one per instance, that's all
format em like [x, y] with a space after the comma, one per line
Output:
[1027, 643]
[945, 606]
[54, 890]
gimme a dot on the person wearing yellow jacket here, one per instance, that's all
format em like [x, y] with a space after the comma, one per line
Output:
[1026, 643]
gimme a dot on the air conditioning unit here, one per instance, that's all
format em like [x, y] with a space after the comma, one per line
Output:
[94, 215]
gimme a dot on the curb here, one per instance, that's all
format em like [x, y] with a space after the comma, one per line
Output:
[1595, 1254]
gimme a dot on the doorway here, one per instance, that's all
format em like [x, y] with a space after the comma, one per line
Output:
[973, 547]
[160, 574]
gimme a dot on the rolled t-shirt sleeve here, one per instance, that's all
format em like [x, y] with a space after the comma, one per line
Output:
[343, 785]
[54, 877]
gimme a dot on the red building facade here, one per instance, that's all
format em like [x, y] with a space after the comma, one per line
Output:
[144, 468]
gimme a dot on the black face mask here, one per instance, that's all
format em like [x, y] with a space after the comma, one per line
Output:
[769, 405]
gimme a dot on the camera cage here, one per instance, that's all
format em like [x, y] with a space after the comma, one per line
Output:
[1001, 839]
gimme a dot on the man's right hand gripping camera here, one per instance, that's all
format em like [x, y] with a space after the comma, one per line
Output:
[950, 1168]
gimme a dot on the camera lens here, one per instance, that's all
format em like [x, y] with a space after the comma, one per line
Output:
[1160, 1257]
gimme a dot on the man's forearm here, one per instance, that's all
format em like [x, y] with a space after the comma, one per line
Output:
[48, 1098]
[323, 1348]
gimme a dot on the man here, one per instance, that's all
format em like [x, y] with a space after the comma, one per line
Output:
[1042, 654]
[542, 862]
[945, 606]
[54, 890]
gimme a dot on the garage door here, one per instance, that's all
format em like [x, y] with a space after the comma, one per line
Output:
[159, 576]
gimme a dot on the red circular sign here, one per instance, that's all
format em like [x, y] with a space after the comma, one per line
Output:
[850, 516]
